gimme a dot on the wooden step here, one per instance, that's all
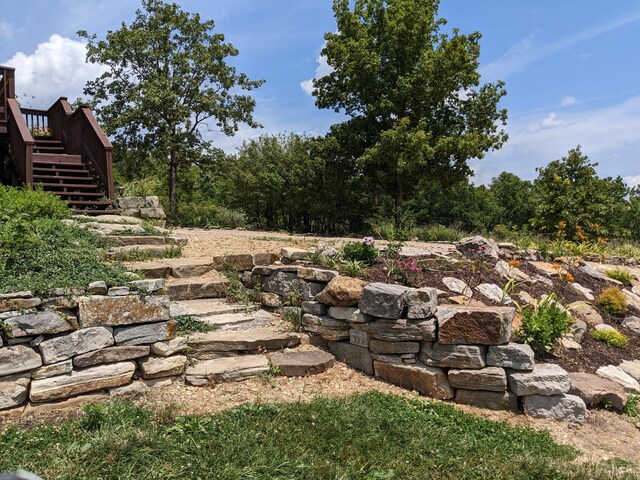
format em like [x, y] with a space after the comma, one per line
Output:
[57, 160]
[77, 194]
[68, 185]
[48, 149]
[62, 177]
[80, 211]
[90, 203]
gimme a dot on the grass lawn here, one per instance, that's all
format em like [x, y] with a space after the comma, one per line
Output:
[370, 436]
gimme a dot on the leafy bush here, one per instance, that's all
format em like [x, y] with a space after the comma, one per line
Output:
[612, 301]
[30, 204]
[613, 337]
[365, 251]
[621, 274]
[438, 233]
[208, 215]
[543, 324]
[352, 268]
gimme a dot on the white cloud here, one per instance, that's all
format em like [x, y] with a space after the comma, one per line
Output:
[632, 180]
[57, 68]
[525, 52]
[322, 69]
[608, 135]
[568, 101]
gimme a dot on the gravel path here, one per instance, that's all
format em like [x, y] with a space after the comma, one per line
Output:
[209, 243]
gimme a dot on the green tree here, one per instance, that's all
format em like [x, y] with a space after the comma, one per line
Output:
[571, 199]
[417, 110]
[514, 196]
[167, 79]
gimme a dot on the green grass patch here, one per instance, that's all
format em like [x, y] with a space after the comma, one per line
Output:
[142, 255]
[370, 436]
[621, 274]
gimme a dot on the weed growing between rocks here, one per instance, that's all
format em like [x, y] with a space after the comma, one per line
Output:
[186, 324]
[238, 293]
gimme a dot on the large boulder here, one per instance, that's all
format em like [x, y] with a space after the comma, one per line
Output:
[429, 381]
[595, 390]
[384, 300]
[122, 310]
[342, 291]
[467, 324]
[76, 343]
[18, 358]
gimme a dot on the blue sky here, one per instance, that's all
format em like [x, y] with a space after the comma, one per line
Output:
[571, 67]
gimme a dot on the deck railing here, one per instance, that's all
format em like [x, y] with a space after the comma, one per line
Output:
[21, 142]
[7, 90]
[83, 136]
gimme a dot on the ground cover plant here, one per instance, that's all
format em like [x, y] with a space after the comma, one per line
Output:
[39, 252]
[370, 436]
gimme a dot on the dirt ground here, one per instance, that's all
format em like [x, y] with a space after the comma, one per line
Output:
[208, 243]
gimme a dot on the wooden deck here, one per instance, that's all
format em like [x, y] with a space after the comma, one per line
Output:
[63, 151]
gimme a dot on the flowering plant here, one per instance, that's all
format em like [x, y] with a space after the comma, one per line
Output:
[408, 271]
[365, 251]
[41, 132]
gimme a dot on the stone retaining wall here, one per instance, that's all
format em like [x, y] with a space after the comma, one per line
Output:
[84, 341]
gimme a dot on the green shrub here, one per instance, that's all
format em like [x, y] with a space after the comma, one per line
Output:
[613, 338]
[621, 274]
[142, 187]
[365, 251]
[30, 204]
[612, 301]
[208, 215]
[438, 233]
[352, 268]
[543, 324]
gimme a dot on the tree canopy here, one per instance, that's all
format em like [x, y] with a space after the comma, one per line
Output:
[417, 110]
[166, 79]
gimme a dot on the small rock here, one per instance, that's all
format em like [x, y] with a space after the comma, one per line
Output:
[632, 323]
[358, 337]
[563, 407]
[97, 288]
[342, 291]
[161, 367]
[429, 381]
[18, 358]
[314, 308]
[494, 293]
[169, 347]
[383, 300]
[584, 291]
[300, 364]
[490, 400]
[488, 378]
[478, 245]
[118, 291]
[14, 390]
[453, 356]
[457, 286]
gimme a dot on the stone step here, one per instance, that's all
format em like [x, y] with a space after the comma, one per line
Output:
[228, 342]
[156, 251]
[226, 369]
[190, 267]
[149, 269]
[207, 306]
[300, 364]
[212, 286]
[127, 240]
[239, 320]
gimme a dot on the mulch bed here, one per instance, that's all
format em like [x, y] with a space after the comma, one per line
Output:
[593, 355]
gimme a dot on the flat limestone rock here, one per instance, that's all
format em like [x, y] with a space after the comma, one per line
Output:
[203, 307]
[327, 327]
[300, 364]
[544, 379]
[488, 378]
[429, 381]
[111, 355]
[75, 343]
[632, 323]
[18, 358]
[568, 408]
[240, 262]
[40, 323]
[144, 334]
[494, 293]
[226, 369]
[52, 370]
[485, 399]
[190, 267]
[13, 304]
[14, 389]
[457, 286]
[353, 355]
[317, 274]
[114, 311]
[545, 268]
[594, 390]
[82, 381]
[631, 368]
[211, 286]
[160, 367]
[149, 269]
[394, 348]
[246, 340]
[466, 324]
[619, 376]
[402, 330]
[169, 347]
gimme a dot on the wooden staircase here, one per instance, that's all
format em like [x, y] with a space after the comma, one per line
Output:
[64, 152]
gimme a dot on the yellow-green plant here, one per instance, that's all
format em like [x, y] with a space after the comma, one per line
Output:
[611, 337]
[621, 274]
[612, 301]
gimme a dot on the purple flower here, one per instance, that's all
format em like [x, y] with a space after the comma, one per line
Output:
[368, 241]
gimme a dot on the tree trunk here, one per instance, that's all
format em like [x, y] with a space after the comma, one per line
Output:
[173, 180]
[398, 202]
